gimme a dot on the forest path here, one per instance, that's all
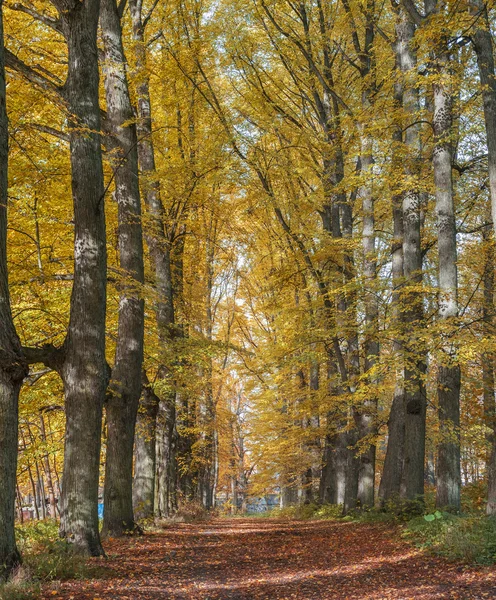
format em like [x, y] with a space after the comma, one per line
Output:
[242, 559]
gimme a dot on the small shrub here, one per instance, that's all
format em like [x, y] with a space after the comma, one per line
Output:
[46, 557]
[192, 512]
[302, 512]
[20, 586]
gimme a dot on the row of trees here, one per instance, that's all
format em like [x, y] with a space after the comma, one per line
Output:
[282, 266]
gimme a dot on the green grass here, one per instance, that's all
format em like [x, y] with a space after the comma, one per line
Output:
[471, 539]
[45, 558]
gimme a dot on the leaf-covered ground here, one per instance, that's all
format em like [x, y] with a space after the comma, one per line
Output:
[273, 559]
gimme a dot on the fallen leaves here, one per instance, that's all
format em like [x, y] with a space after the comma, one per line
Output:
[278, 560]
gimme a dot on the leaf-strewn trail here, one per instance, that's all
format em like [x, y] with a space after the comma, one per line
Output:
[274, 559]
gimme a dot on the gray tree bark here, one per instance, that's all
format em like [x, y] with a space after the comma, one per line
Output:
[390, 485]
[144, 453]
[412, 484]
[125, 386]
[448, 384]
[83, 367]
[159, 247]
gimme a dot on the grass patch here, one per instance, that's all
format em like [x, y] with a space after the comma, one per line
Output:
[46, 558]
[471, 539]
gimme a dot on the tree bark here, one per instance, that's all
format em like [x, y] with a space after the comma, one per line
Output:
[144, 453]
[448, 381]
[12, 364]
[483, 45]
[159, 247]
[390, 485]
[125, 387]
[412, 484]
[84, 369]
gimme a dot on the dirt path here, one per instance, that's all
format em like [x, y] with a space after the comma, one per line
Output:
[270, 559]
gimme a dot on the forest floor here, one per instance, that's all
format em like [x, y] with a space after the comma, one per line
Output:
[242, 559]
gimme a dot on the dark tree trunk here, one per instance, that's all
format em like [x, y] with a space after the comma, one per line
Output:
[84, 369]
[483, 44]
[12, 366]
[125, 388]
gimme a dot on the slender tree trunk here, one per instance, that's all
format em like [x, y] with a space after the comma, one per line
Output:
[48, 472]
[12, 366]
[367, 419]
[390, 485]
[166, 451]
[144, 453]
[160, 254]
[483, 44]
[84, 370]
[125, 388]
[487, 360]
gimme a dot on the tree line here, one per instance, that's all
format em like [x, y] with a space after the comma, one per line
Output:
[282, 267]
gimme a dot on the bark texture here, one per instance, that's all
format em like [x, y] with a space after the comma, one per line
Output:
[448, 381]
[144, 453]
[165, 501]
[84, 369]
[125, 386]
[483, 45]
[412, 483]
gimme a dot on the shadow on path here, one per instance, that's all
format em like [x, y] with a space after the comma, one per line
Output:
[242, 559]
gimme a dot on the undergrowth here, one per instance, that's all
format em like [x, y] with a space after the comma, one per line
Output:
[45, 558]
[470, 538]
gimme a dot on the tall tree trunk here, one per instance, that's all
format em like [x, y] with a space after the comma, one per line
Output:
[448, 391]
[488, 379]
[12, 366]
[166, 452]
[159, 247]
[412, 485]
[367, 419]
[390, 485]
[125, 388]
[483, 44]
[84, 370]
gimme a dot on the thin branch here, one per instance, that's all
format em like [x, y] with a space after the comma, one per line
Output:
[150, 12]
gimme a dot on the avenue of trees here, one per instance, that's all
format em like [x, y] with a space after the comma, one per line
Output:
[246, 246]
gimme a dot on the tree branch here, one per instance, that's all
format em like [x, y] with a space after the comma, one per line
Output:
[412, 11]
[47, 354]
[18, 65]
[51, 22]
